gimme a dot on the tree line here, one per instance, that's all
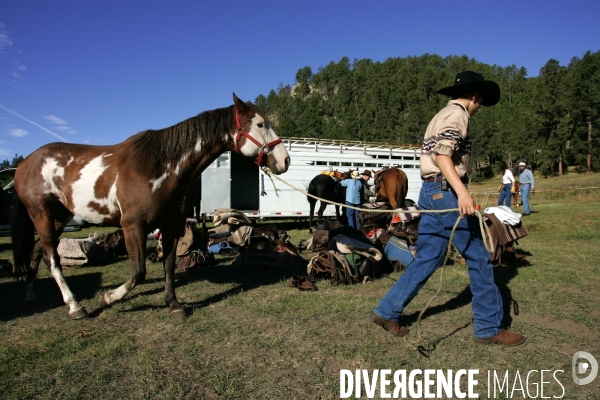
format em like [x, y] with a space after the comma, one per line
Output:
[11, 164]
[549, 121]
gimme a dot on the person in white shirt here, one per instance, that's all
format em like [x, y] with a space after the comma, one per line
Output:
[508, 180]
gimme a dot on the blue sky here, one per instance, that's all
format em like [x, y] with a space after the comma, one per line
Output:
[98, 72]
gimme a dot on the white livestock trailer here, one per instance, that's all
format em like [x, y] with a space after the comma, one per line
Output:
[231, 181]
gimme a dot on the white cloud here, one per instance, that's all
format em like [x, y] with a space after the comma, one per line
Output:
[61, 124]
[65, 128]
[17, 132]
[34, 123]
[5, 41]
[16, 75]
[55, 119]
[20, 67]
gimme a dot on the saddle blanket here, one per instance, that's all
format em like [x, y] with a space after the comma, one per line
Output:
[398, 250]
[78, 252]
[406, 217]
[504, 233]
[374, 206]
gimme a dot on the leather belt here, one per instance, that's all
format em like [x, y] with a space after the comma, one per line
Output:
[526, 183]
[438, 178]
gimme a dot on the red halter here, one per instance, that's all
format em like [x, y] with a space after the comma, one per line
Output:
[261, 147]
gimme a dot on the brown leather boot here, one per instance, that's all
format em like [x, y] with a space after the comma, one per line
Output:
[504, 338]
[391, 326]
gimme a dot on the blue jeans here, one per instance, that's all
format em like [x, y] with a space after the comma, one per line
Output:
[352, 215]
[434, 233]
[525, 188]
[505, 195]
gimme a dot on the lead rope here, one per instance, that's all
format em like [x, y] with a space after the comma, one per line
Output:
[485, 230]
[418, 345]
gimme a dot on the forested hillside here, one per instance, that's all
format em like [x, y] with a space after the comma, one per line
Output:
[551, 121]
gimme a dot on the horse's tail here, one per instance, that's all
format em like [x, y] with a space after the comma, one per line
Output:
[377, 181]
[311, 189]
[23, 239]
[402, 188]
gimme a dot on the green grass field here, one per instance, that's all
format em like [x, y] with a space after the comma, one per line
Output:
[250, 336]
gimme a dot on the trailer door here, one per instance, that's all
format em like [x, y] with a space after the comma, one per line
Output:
[244, 183]
[216, 185]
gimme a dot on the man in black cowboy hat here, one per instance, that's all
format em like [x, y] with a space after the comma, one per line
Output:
[444, 170]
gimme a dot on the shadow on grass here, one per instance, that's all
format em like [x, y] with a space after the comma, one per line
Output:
[87, 285]
[12, 294]
[502, 276]
[245, 278]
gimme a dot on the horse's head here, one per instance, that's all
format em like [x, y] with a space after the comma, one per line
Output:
[340, 175]
[254, 138]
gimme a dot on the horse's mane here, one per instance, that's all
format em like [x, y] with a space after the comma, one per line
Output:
[157, 148]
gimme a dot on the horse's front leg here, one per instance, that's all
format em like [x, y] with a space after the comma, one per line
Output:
[170, 240]
[135, 242]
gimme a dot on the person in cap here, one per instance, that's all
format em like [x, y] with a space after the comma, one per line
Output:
[353, 192]
[444, 170]
[527, 184]
[366, 191]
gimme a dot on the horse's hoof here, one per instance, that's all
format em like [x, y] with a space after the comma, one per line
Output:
[78, 314]
[178, 313]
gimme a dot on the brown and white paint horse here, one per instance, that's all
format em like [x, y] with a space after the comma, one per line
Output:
[146, 182]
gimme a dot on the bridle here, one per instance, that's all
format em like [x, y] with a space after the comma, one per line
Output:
[261, 147]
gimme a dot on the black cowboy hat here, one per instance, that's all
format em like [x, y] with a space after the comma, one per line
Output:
[468, 80]
[367, 172]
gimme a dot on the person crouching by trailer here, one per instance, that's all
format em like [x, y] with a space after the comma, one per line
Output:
[353, 194]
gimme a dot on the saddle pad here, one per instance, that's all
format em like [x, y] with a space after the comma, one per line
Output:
[77, 252]
[408, 216]
[375, 205]
[504, 233]
[398, 250]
